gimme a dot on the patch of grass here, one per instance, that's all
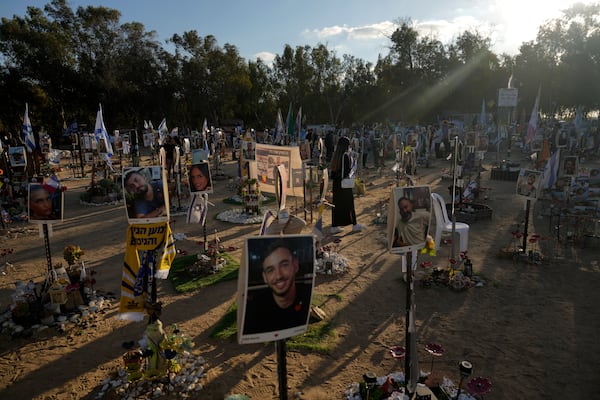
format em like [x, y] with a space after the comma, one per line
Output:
[319, 337]
[184, 281]
[226, 328]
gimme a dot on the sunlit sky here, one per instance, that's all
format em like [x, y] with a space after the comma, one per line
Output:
[361, 28]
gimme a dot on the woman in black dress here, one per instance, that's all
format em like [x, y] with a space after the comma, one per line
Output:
[343, 199]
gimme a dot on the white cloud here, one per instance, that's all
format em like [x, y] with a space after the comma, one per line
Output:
[508, 23]
[377, 31]
[446, 31]
[266, 56]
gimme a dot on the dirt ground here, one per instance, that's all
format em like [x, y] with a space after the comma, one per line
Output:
[531, 329]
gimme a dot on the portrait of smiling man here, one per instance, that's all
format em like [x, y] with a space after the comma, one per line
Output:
[280, 283]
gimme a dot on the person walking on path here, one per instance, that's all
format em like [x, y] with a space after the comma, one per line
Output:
[343, 212]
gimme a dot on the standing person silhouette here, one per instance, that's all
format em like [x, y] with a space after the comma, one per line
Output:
[329, 145]
[169, 147]
[343, 199]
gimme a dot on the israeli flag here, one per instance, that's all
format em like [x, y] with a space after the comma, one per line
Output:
[198, 209]
[28, 137]
[550, 172]
[163, 131]
[101, 134]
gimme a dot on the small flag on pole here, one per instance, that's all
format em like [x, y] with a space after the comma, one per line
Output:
[51, 183]
[28, 137]
[533, 120]
[550, 172]
[101, 134]
[163, 131]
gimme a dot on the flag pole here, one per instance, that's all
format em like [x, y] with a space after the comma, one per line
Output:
[281, 369]
[48, 253]
[411, 373]
[526, 226]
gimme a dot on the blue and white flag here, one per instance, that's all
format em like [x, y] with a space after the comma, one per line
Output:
[54, 156]
[198, 209]
[267, 220]
[532, 127]
[101, 135]
[163, 131]
[28, 137]
[550, 172]
[73, 128]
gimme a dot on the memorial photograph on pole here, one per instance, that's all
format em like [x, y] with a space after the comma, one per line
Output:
[528, 183]
[200, 178]
[17, 156]
[275, 287]
[409, 218]
[146, 194]
[44, 205]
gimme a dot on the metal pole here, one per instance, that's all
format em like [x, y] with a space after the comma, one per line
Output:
[204, 236]
[304, 168]
[281, 369]
[47, 248]
[454, 178]
[527, 208]
[81, 164]
[407, 331]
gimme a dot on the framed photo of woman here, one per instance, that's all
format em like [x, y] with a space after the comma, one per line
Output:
[200, 178]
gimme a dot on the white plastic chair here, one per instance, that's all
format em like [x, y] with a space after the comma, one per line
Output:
[444, 224]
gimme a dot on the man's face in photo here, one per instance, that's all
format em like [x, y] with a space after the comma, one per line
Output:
[136, 184]
[405, 207]
[279, 271]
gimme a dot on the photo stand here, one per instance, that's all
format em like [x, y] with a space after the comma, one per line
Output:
[282, 224]
[411, 369]
[49, 279]
[313, 187]
[251, 198]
